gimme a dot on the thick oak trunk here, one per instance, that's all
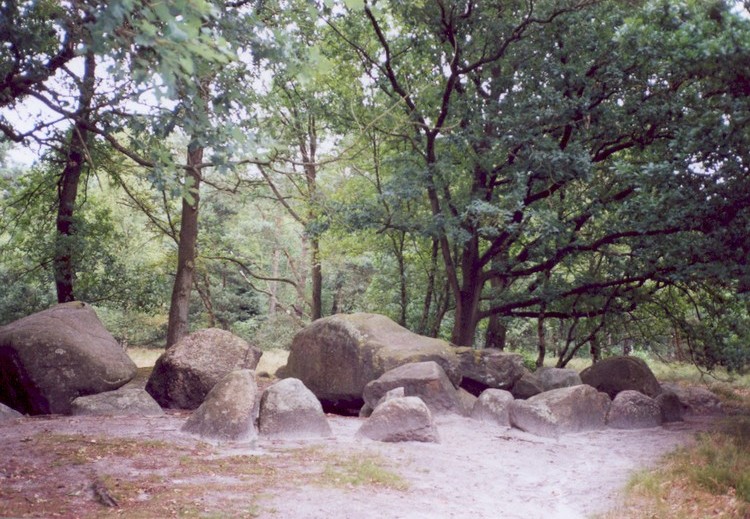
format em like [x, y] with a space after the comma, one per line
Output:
[469, 296]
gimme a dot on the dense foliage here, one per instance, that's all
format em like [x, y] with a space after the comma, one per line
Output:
[564, 175]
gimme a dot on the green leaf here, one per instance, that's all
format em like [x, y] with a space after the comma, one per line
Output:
[187, 65]
[355, 5]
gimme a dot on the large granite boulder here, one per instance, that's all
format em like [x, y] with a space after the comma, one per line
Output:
[6, 413]
[185, 373]
[49, 358]
[672, 409]
[337, 356]
[527, 386]
[634, 410]
[467, 401]
[696, 400]
[493, 406]
[426, 380]
[400, 420]
[555, 378]
[289, 410]
[488, 368]
[367, 409]
[560, 411]
[124, 401]
[228, 411]
[617, 374]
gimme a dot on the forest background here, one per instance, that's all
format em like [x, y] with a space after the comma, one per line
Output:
[560, 177]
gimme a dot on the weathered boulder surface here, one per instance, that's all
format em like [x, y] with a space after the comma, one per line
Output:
[467, 401]
[426, 380]
[337, 356]
[634, 410]
[493, 406]
[616, 374]
[393, 393]
[672, 409]
[527, 386]
[555, 378]
[367, 409]
[49, 358]
[696, 401]
[227, 413]
[400, 420]
[560, 411]
[6, 413]
[488, 368]
[123, 401]
[185, 373]
[289, 410]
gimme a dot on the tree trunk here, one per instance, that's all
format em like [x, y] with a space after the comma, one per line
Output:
[466, 318]
[468, 297]
[308, 146]
[496, 333]
[336, 300]
[67, 190]
[496, 329]
[273, 286]
[398, 252]
[542, 340]
[204, 292]
[596, 352]
[430, 290]
[186, 250]
[679, 351]
[316, 273]
[441, 304]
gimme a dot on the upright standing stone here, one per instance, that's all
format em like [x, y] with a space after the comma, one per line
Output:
[291, 411]
[616, 374]
[633, 410]
[561, 411]
[400, 420]
[493, 406]
[228, 412]
[186, 372]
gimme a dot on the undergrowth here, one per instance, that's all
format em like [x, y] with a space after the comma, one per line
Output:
[710, 478]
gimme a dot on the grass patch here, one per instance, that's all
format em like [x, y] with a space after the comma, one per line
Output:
[144, 357]
[369, 471]
[241, 466]
[79, 450]
[720, 462]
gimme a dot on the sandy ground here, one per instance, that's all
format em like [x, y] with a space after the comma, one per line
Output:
[478, 470]
[484, 471]
[49, 466]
